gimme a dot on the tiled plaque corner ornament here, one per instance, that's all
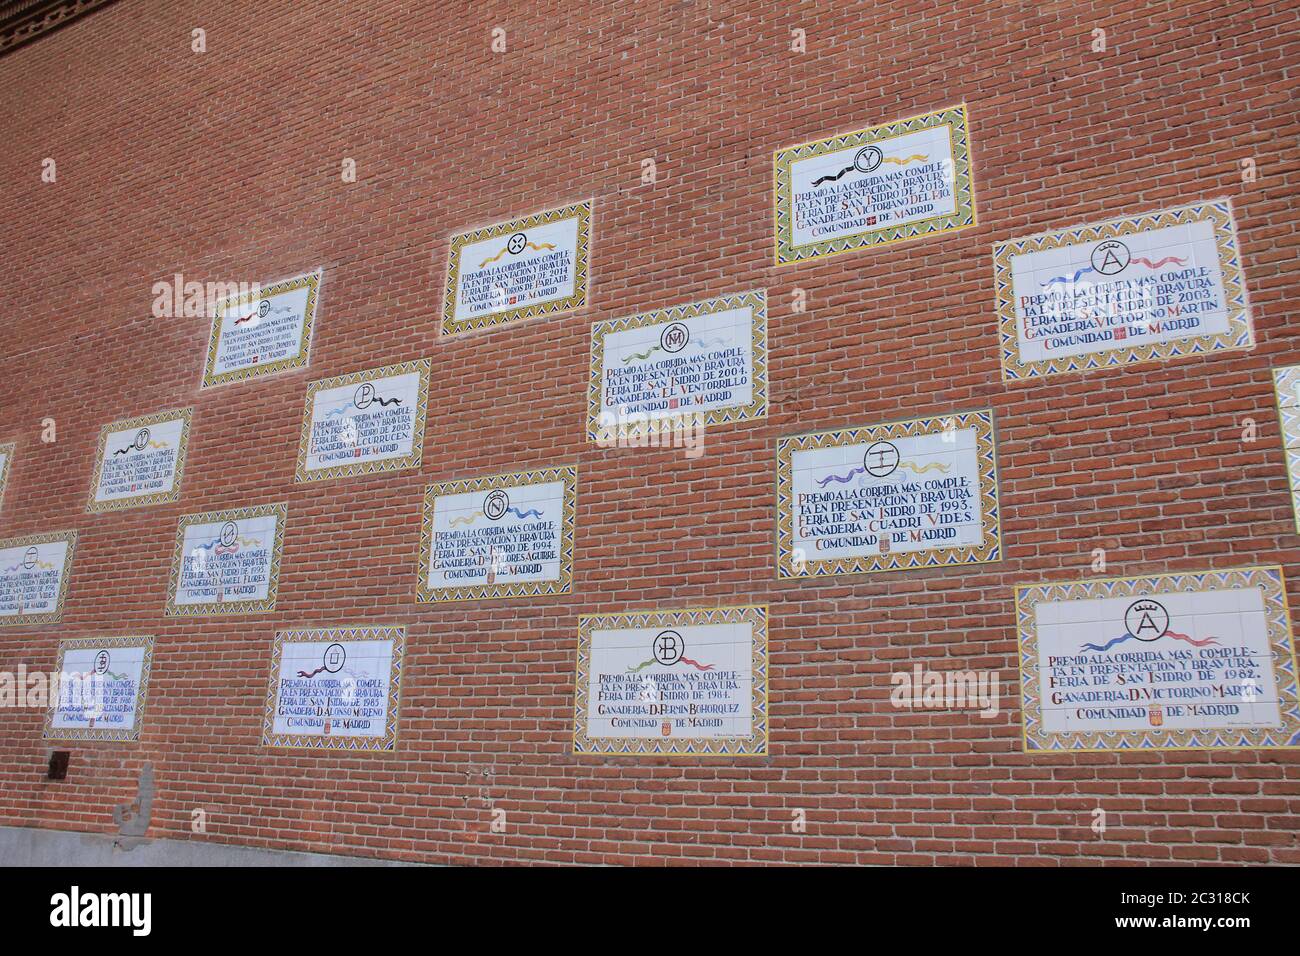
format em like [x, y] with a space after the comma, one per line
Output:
[140, 461]
[103, 685]
[1286, 385]
[335, 688]
[919, 493]
[499, 536]
[704, 362]
[7, 450]
[1139, 289]
[536, 265]
[690, 682]
[263, 333]
[1191, 661]
[34, 574]
[227, 562]
[365, 422]
[902, 180]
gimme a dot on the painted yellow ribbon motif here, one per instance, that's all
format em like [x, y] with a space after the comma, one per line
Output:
[504, 249]
[922, 469]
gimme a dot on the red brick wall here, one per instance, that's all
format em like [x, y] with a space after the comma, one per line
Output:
[225, 166]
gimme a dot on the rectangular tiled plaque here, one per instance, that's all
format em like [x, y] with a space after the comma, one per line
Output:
[515, 270]
[140, 461]
[34, 577]
[1190, 661]
[899, 181]
[499, 536]
[673, 682]
[103, 682]
[264, 332]
[1286, 384]
[227, 562]
[911, 494]
[335, 688]
[1139, 289]
[6, 461]
[706, 360]
[365, 422]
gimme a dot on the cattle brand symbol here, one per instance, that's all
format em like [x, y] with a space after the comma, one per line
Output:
[674, 338]
[365, 394]
[496, 504]
[517, 243]
[142, 439]
[1110, 257]
[868, 159]
[30, 557]
[335, 655]
[229, 534]
[668, 648]
[101, 662]
[1146, 620]
[881, 459]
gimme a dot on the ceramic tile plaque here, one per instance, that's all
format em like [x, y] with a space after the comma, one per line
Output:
[706, 361]
[262, 333]
[335, 688]
[500, 536]
[899, 181]
[103, 682]
[34, 577]
[227, 562]
[140, 461]
[364, 423]
[1191, 661]
[515, 270]
[6, 460]
[918, 493]
[1286, 383]
[673, 682]
[1140, 289]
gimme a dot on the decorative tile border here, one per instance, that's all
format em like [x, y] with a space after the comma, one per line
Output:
[755, 745]
[1036, 739]
[952, 117]
[1238, 336]
[35, 541]
[581, 211]
[565, 473]
[7, 452]
[1286, 394]
[279, 511]
[311, 281]
[757, 408]
[374, 466]
[792, 565]
[397, 635]
[144, 423]
[142, 691]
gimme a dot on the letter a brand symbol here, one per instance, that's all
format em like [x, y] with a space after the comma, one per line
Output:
[1146, 620]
